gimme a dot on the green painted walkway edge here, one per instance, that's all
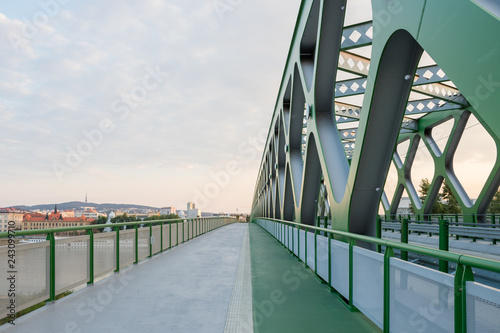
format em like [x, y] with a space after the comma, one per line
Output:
[288, 298]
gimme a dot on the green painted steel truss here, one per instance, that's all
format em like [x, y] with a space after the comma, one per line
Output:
[351, 93]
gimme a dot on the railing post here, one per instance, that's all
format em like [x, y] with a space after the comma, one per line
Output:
[136, 244]
[462, 276]
[404, 238]
[298, 243]
[444, 242]
[117, 247]
[317, 220]
[151, 240]
[170, 238]
[90, 232]
[378, 231]
[161, 236]
[352, 243]
[52, 267]
[389, 253]
[315, 251]
[305, 246]
[330, 261]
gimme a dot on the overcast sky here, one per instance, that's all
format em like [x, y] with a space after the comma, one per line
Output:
[153, 102]
[167, 92]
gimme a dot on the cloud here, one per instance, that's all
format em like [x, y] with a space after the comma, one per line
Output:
[222, 82]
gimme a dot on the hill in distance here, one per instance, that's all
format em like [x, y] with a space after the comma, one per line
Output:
[78, 204]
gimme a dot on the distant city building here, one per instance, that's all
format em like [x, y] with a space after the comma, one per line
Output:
[54, 220]
[192, 213]
[88, 212]
[190, 205]
[167, 210]
[67, 213]
[181, 214]
[10, 214]
[404, 206]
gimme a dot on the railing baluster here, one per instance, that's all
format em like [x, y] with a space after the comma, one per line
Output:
[90, 232]
[52, 266]
[117, 249]
[389, 253]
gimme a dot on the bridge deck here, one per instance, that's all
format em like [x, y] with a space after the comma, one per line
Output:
[204, 286]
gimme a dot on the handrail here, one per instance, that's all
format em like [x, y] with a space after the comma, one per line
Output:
[463, 273]
[200, 225]
[97, 226]
[463, 259]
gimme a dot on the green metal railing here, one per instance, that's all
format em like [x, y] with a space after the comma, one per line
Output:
[199, 227]
[463, 273]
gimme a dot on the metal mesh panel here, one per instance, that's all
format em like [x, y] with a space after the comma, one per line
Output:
[104, 253]
[339, 253]
[421, 299]
[289, 236]
[143, 242]
[156, 239]
[72, 259]
[195, 228]
[173, 235]
[368, 284]
[296, 241]
[31, 277]
[185, 226]
[322, 256]
[310, 250]
[127, 247]
[166, 236]
[302, 245]
[483, 308]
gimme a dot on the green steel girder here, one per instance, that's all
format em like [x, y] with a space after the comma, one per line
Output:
[312, 166]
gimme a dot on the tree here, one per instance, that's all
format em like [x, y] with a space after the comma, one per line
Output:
[124, 218]
[494, 207]
[162, 217]
[101, 220]
[437, 207]
[450, 205]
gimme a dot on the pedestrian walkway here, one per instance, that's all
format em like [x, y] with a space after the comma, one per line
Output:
[288, 298]
[185, 289]
[237, 278]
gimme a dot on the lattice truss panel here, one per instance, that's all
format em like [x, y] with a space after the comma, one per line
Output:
[366, 85]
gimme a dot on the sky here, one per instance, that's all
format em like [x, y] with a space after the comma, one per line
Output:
[153, 102]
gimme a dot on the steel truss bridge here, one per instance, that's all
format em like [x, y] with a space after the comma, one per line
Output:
[361, 92]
